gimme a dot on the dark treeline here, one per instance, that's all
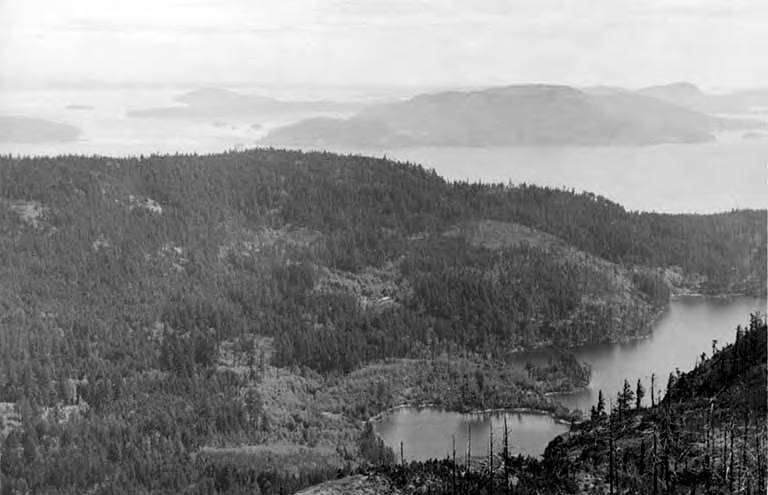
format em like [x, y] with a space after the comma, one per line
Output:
[121, 281]
[703, 244]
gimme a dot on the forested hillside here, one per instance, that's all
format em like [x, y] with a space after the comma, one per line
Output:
[707, 435]
[152, 307]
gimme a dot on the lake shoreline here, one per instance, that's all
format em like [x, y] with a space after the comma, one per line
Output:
[670, 327]
[412, 431]
[472, 412]
[632, 361]
[648, 328]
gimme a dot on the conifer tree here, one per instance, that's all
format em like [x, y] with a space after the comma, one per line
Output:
[611, 480]
[600, 404]
[624, 399]
[639, 394]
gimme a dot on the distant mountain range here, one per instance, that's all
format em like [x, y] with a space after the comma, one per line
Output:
[521, 115]
[211, 103]
[32, 130]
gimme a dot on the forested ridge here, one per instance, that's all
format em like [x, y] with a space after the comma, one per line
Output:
[151, 305]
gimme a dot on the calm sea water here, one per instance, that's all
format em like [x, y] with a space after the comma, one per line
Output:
[680, 335]
[675, 178]
[107, 130]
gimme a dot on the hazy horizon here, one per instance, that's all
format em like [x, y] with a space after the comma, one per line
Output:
[89, 64]
[412, 45]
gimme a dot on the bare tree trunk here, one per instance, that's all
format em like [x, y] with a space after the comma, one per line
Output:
[732, 465]
[665, 452]
[655, 466]
[469, 444]
[725, 455]
[710, 442]
[490, 459]
[506, 455]
[610, 456]
[759, 462]
[453, 449]
[743, 472]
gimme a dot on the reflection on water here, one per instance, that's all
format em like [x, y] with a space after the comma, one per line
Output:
[679, 337]
[428, 433]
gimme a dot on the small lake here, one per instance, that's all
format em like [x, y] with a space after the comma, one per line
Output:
[427, 432]
[680, 335]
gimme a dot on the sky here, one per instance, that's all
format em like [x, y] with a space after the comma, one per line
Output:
[717, 44]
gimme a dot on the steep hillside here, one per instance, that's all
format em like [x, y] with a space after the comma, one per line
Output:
[708, 434]
[161, 313]
[525, 115]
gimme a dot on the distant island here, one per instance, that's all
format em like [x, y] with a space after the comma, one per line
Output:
[33, 130]
[213, 103]
[520, 115]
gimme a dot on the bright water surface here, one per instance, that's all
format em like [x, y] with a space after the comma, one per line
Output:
[428, 433]
[681, 334]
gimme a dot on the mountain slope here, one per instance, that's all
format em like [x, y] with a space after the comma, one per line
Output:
[160, 311]
[709, 432]
[708, 435]
[525, 115]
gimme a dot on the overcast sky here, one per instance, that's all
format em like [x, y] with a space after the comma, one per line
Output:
[427, 43]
